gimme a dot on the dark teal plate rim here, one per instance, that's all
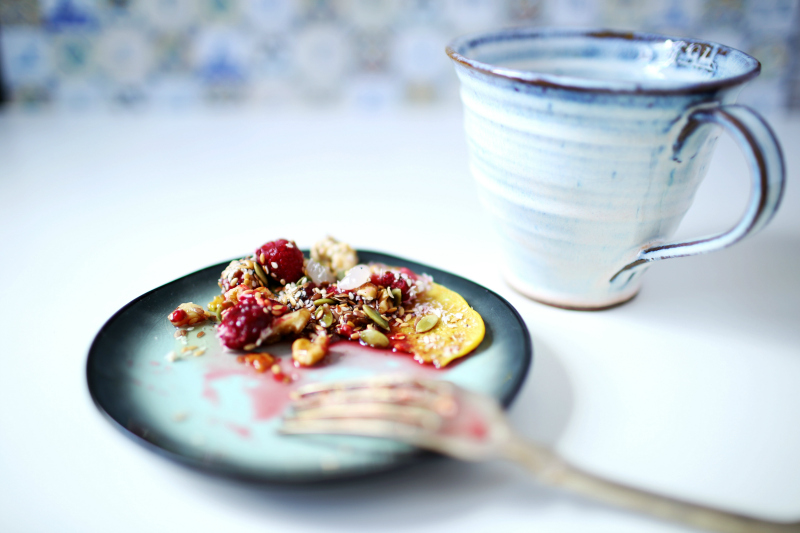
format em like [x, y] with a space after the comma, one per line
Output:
[101, 385]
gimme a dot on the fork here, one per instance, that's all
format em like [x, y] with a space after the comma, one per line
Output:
[442, 417]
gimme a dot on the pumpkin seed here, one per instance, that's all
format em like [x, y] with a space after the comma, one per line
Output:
[260, 274]
[374, 338]
[397, 296]
[327, 318]
[324, 301]
[427, 323]
[375, 317]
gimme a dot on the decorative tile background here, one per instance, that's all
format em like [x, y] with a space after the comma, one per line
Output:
[369, 54]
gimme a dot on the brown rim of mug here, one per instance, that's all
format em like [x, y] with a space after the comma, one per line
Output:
[553, 80]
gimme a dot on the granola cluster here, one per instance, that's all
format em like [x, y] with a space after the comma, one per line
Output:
[337, 256]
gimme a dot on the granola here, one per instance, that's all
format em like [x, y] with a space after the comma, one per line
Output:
[277, 293]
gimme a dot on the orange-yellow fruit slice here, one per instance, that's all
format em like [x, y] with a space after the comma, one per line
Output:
[458, 330]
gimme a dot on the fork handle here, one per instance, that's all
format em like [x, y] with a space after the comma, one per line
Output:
[553, 470]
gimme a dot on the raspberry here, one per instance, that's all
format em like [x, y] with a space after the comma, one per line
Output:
[403, 286]
[243, 323]
[409, 273]
[384, 280]
[282, 260]
[389, 279]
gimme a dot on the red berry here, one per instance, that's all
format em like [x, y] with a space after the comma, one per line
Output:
[345, 330]
[282, 260]
[409, 273]
[389, 279]
[243, 323]
[384, 280]
[177, 315]
[403, 286]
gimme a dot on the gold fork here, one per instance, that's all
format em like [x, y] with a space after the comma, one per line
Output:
[439, 416]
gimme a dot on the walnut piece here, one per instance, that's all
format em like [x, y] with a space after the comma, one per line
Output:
[309, 353]
[289, 324]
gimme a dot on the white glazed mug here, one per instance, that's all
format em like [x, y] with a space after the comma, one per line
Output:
[588, 147]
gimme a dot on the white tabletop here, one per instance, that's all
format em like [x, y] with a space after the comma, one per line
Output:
[691, 389]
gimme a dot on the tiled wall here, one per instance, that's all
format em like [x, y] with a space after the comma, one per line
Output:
[362, 53]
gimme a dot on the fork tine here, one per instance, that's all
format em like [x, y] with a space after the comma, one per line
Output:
[365, 428]
[391, 380]
[409, 415]
[400, 396]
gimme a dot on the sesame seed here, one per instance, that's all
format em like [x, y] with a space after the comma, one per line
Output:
[274, 264]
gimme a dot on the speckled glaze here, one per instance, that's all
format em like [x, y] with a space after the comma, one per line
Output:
[588, 147]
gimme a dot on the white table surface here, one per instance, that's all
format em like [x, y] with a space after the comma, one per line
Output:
[692, 389]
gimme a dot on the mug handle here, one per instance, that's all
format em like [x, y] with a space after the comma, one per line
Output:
[767, 181]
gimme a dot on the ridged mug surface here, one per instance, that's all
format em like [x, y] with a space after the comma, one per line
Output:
[581, 172]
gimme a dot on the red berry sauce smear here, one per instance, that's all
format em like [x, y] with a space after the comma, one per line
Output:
[270, 397]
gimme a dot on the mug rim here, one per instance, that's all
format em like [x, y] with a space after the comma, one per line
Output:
[559, 81]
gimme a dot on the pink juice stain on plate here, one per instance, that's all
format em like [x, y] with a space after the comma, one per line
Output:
[242, 431]
[209, 392]
[269, 397]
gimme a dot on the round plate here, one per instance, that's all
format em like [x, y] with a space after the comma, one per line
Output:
[221, 416]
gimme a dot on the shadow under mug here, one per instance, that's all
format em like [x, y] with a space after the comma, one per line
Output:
[587, 148]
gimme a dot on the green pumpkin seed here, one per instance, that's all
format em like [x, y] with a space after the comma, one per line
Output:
[397, 296]
[427, 323]
[327, 319]
[374, 338]
[260, 274]
[324, 301]
[375, 316]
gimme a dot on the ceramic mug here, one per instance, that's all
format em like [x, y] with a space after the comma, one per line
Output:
[588, 147]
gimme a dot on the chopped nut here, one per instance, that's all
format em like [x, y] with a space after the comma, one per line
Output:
[308, 353]
[187, 314]
[289, 324]
[367, 291]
